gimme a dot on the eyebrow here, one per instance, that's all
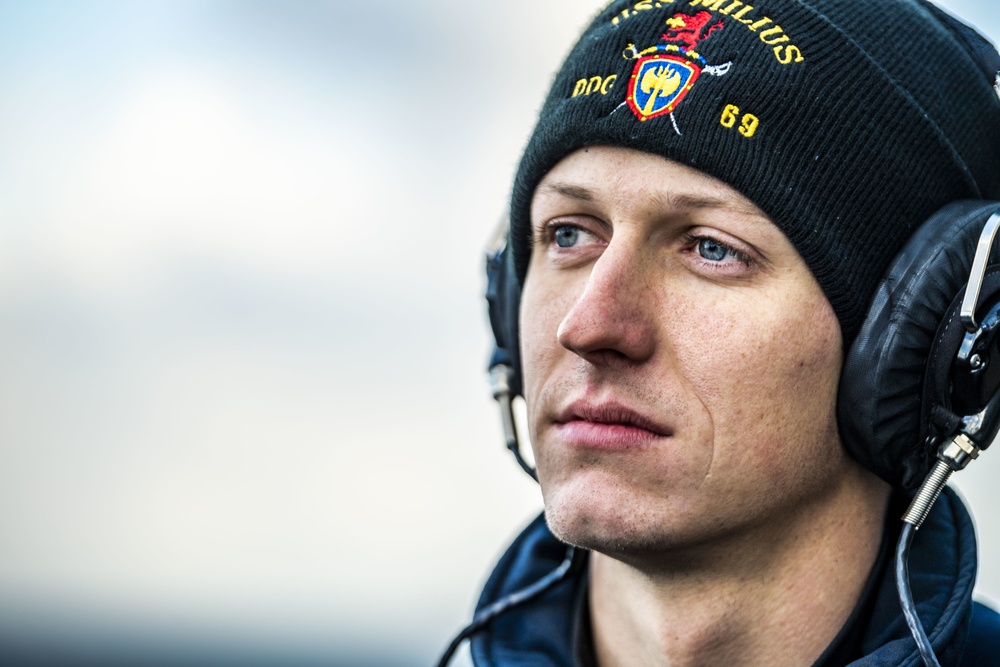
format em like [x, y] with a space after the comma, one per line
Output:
[695, 202]
[668, 201]
[571, 191]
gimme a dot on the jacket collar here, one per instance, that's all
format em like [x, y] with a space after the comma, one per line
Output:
[942, 575]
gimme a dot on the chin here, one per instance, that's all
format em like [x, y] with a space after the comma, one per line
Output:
[612, 519]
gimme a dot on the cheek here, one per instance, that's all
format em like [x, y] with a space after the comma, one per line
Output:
[767, 375]
[541, 311]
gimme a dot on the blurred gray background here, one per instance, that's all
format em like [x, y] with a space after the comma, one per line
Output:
[243, 409]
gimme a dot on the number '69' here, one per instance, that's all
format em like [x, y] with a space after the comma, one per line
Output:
[748, 122]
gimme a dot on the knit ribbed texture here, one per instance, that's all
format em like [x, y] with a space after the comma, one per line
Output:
[849, 123]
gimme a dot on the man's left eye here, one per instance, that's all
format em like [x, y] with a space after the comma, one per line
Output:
[714, 251]
[566, 236]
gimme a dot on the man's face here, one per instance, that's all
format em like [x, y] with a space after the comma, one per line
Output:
[680, 360]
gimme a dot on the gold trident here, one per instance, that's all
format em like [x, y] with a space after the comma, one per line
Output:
[658, 81]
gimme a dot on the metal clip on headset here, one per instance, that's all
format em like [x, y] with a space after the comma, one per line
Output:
[975, 434]
[500, 377]
[501, 363]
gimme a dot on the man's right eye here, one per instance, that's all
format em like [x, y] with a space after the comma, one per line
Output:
[566, 236]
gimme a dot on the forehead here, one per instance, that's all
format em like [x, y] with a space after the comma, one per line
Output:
[624, 180]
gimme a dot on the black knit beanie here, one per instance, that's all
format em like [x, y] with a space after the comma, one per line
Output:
[849, 123]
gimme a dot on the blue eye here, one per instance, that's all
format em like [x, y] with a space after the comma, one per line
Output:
[566, 236]
[713, 250]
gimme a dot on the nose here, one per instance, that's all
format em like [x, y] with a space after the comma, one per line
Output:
[613, 319]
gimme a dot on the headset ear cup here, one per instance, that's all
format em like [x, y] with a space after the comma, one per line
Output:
[503, 294]
[883, 408]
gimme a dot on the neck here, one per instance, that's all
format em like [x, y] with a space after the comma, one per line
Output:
[776, 595]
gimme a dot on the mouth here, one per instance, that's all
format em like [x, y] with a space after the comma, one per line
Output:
[607, 425]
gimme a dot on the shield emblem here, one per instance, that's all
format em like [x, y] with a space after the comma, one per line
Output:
[659, 83]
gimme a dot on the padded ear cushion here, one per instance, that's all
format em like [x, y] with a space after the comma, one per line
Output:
[503, 294]
[883, 421]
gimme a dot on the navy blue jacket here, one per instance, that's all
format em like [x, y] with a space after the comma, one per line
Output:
[943, 562]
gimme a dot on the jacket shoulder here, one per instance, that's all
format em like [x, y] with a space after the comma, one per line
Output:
[983, 646]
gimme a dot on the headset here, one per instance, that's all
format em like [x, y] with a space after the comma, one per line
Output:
[919, 394]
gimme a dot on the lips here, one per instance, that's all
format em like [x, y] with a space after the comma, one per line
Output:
[607, 425]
